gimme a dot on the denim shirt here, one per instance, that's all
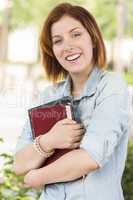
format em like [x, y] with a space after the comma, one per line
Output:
[103, 108]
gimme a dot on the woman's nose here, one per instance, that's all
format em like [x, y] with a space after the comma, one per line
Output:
[68, 48]
[68, 44]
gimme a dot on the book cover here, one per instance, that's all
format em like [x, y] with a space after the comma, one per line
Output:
[43, 118]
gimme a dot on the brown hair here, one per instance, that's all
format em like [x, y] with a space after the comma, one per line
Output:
[54, 70]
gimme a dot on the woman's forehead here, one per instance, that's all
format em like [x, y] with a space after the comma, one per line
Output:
[66, 23]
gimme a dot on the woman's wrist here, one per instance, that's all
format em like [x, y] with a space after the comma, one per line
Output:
[45, 142]
[43, 152]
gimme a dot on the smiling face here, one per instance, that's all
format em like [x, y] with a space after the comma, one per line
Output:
[72, 45]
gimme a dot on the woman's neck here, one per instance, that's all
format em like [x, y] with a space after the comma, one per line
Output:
[77, 83]
[77, 86]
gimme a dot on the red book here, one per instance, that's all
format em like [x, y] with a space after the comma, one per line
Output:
[43, 118]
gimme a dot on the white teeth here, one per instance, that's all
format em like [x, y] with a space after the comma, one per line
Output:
[69, 58]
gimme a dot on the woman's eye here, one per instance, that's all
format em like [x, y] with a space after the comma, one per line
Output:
[56, 41]
[76, 34]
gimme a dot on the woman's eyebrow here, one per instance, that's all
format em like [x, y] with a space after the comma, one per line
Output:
[69, 32]
[73, 29]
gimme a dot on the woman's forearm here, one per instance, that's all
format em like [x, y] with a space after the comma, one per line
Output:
[28, 158]
[70, 166]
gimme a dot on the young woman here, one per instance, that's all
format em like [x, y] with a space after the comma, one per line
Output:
[72, 48]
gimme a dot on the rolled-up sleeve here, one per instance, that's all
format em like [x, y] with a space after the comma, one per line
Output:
[107, 126]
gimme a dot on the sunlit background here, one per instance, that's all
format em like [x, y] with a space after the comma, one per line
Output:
[21, 75]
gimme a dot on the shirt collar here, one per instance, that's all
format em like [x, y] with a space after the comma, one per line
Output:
[90, 85]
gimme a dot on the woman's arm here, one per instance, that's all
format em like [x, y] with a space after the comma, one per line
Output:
[71, 166]
[28, 158]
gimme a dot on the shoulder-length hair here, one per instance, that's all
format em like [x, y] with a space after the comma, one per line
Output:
[54, 71]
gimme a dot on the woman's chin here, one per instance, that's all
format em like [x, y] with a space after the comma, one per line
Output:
[78, 71]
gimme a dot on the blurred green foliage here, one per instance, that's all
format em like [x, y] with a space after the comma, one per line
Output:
[127, 181]
[129, 78]
[34, 11]
[108, 20]
[105, 11]
[13, 188]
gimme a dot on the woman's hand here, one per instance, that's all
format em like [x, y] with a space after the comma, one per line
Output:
[65, 134]
[34, 179]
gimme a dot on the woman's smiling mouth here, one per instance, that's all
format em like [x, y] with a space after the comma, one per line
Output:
[73, 57]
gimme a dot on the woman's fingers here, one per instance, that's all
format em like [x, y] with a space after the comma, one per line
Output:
[77, 126]
[67, 121]
[78, 138]
[74, 124]
[75, 145]
[79, 132]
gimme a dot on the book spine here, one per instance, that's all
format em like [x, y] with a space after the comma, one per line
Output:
[32, 129]
[68, 111]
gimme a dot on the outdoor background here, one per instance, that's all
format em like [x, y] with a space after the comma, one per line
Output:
[22, 77]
